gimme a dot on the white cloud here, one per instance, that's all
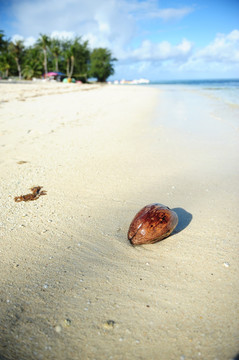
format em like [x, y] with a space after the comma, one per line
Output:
[150, 9]
[29, 41]
[162, 51]
[16, 38]
[220, 58]
[111, 23]
[115, 24]
[62, 35]
[224, 49]
[105, 21]
[234, 35]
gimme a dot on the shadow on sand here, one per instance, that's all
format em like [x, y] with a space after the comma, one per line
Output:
[184, 219]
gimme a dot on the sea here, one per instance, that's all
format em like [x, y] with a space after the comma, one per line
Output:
[195, 105]
[226, 90]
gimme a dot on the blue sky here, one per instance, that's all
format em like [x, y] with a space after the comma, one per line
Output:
[158, 40]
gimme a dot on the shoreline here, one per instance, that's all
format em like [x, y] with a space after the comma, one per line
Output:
[72, 284]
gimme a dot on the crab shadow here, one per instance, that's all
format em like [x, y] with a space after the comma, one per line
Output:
[184, 219]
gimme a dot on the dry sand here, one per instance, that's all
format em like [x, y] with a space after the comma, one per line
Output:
[72, 287]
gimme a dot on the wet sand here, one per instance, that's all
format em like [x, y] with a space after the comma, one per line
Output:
[72, 287]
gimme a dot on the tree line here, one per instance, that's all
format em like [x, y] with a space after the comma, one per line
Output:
[73, 57]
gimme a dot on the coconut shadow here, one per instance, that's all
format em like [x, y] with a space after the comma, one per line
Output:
[184, 219]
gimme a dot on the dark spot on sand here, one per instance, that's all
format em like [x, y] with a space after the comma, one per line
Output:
[36, 193]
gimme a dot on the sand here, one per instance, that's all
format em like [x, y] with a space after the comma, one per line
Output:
[72, 287]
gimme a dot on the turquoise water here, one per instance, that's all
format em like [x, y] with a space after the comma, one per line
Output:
[213, 83]
[225, 90]
[207, 107]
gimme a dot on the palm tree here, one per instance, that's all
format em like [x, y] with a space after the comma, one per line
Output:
[5, 57]
[3, 42]
[5, 65]
[28, 72]
[70, 55]
[70, 61]
[82, 60]
[56, 51]
[44, 42]
[32, 69]
[17, 48]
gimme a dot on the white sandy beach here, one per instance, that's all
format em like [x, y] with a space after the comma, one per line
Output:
[72, 287]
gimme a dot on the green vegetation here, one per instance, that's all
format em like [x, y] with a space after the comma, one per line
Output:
[101, 64]
[44, 42]
[71, 57]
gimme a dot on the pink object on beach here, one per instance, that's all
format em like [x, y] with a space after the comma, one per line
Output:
[51, 74]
